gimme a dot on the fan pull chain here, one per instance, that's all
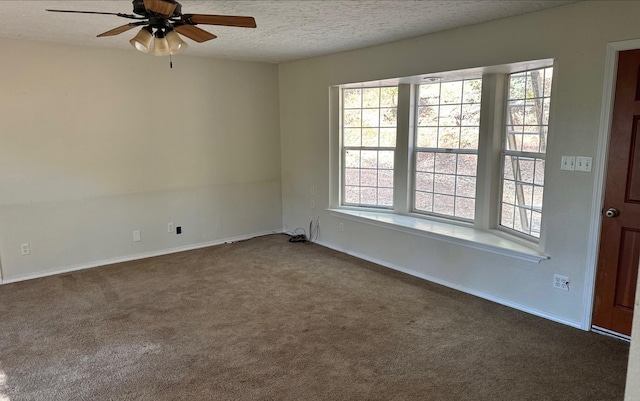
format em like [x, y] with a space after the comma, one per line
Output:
[170, 61]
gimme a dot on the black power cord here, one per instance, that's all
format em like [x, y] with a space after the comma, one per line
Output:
[300, 235]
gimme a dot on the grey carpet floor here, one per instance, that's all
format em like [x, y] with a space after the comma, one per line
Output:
[265, 319]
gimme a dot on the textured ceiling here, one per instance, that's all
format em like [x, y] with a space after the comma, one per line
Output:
[287, 30]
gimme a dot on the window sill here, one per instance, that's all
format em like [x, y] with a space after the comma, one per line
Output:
[465, 236]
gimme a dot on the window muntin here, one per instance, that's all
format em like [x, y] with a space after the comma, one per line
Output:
[446, 148]
[524, 148]
[369, 125]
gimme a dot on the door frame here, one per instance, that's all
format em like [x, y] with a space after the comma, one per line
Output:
[600, 167]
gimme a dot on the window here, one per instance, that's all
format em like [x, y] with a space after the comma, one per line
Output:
[369, 125]
[446, 150]
[525, 144]
[412, 147]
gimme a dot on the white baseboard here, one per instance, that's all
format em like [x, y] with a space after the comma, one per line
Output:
[138, 256]
[461, 288]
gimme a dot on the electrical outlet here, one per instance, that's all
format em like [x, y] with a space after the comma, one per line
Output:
[313, 190]
[136, 236]
[340, 226]
[25, 249]
[561, 282]
[313, 204]
[170, 227]
[568, 163]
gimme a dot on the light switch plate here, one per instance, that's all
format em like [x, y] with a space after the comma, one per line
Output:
[583, 163]
[568, 163]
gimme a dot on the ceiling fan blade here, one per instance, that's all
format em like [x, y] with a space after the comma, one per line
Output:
[195, 33]
[160, 6]
[120, 29]
[131, 16]
[225, 20]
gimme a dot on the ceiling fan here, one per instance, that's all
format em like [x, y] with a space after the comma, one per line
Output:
[163, 20]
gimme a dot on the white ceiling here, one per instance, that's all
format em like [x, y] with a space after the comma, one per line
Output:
[287, 30]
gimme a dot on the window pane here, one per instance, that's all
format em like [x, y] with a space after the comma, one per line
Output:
[371, 117]
[370, 137]
[517, 85]
[471, 114]
[467, 165]
[388, 117]
[451, 92]
[385, 178]
[466, 186]
[444, 204]
[450, 116]
[369, 122]
[539, 176]
[472, 91]
[352, 137]
[469, 137]
[352, 98]
[429, 94]
[369, 158]
[427, 137]
[538, 193]
[428, 115]
[388, 137]
[385, 159]
[352, 118]
[449, 127]
[424, 182]
[465, 208]
[425, 161]
[508, 192]
[446, 163]
[371, 97]
[527, 120]
[352, 176]
[351, 194]
[531, 143]
[444, 184]
[368, 196]
[385, 197]
[389, 97]
[424, 201]
[352, 158]
[449, 138]
[368, 177]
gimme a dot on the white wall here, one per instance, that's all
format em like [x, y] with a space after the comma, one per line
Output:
[576, 37]
[96, 143]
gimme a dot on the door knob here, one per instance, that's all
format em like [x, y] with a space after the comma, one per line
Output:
[611, 212]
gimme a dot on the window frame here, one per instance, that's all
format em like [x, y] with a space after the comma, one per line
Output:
[504, 152]
[344, 149]
[485, 232]
[442, 150]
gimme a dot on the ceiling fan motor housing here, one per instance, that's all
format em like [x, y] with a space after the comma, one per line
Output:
[140, 9]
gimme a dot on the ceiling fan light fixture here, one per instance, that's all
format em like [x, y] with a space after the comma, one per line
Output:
[161, 45]
[142, 40]
[176, 44]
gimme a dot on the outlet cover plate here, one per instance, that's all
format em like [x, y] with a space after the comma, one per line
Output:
[561, 282]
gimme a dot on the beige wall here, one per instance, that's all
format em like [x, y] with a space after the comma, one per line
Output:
[576, 37]
[96, 143]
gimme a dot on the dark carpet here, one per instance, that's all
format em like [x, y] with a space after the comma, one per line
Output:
[266, 319]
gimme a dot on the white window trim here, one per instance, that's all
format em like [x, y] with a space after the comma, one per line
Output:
[484, 234]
